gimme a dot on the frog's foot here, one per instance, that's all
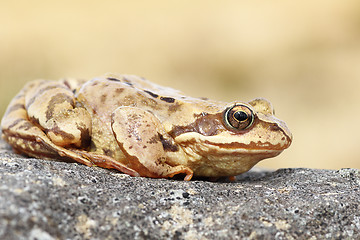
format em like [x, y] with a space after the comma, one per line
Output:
[139, 135]
[106, 162]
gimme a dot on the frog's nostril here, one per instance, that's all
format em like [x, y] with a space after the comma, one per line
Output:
[274, 127]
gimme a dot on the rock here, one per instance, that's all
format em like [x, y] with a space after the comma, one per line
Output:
[42, 199]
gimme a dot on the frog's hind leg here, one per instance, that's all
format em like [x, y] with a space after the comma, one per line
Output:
[51, 105]
[26, 137]
[104, 161]
[139, 135]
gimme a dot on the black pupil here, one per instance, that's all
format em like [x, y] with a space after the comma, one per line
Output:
[240, 116]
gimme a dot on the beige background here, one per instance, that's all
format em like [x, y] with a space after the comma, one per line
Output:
[304, 56]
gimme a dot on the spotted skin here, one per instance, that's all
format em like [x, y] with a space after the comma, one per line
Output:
[142, 129]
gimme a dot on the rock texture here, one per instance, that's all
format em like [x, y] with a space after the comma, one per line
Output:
[42, 199]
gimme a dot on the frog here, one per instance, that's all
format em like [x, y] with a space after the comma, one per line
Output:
[139, 128]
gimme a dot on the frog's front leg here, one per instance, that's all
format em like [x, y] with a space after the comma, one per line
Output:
[139, 135]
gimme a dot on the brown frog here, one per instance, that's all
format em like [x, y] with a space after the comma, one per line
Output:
[142, 129]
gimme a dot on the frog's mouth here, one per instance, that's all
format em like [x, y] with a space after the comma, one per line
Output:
[230, 144]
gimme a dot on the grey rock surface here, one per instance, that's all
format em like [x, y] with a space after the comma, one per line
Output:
[41, 199]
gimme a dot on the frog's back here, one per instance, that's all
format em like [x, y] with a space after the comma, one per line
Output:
[102, 96]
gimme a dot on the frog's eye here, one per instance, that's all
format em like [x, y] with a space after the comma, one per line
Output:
[239, 117]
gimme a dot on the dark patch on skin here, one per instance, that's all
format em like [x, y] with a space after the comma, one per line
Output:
[34, 120]
[57, 131]
[144, 146]
[103, 98]
[16, 122]
[66, 83]
[14, 108]
[167, 99]
[154, 95]
[26, 126]
[94, 83]
[113, 79]
[85, 136]
[57, 99]
[108, 152]
[204, 98]
[42, 90]
[168, 145]
[126, 80]
[119, 90]
[274, 127]
[205, 124]
[175, 107]
[154, 139]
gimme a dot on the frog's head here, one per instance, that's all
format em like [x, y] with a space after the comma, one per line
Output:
[232, 141]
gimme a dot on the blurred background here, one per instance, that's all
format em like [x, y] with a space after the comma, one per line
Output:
[303, 56]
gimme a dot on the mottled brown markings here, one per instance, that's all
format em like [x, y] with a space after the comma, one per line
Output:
[154, 139]
[154, 95]
[57, 99]
[16, 122]
[113, 79]
[167, 99]
[205, 124]
[57, 131]
[41, 91]
[168, 145]
[14, 108]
